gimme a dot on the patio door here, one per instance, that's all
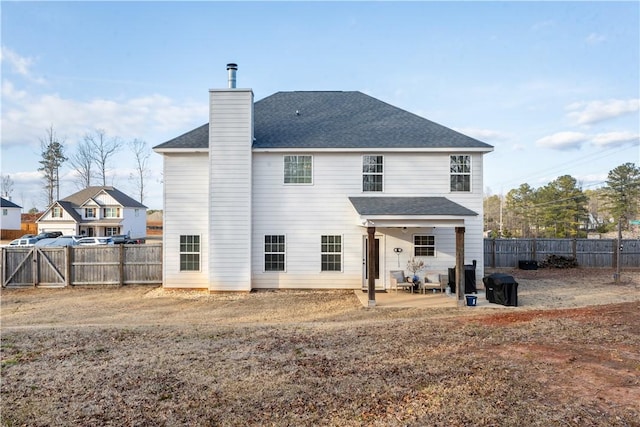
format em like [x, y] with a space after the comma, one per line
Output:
[377, 262]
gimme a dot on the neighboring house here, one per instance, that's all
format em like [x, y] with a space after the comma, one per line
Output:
[288, 191]
[96, 211]
[10, 216]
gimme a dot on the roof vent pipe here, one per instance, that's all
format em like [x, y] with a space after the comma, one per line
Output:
[232, 69]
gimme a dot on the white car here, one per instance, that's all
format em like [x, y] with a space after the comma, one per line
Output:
[23, 242]
[94, 241]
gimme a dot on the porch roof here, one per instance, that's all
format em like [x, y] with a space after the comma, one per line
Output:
[410, 211]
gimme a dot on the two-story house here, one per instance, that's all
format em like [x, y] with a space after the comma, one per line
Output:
[10, 215]
[289, 191]
[96, 211]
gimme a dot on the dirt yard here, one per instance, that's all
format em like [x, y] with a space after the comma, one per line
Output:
[569, 355]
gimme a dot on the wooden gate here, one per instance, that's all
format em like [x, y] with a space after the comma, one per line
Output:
[35, 266]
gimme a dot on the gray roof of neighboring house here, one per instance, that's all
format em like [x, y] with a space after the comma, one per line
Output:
[318, 119]
[371, 206]
[77, 199]
[4, 203]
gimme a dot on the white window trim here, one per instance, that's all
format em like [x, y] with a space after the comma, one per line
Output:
[362, 173]
[341, 255]
[470, 174]
[435, 245]
[199, 270]
[284, 170]
[264, 270]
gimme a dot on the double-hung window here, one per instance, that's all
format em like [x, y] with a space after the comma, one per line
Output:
[190, 253]
[424, 245]
[56, 212]
[111, 212]
[331, 253]
[89, 212]
[274, 252]
[372, 173]
[298, 169]
[460, 172]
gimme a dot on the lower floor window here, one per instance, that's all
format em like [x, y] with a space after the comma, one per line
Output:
[331, 253]
[189, 253]
[111, 231]
[424, 245]
[274, 252]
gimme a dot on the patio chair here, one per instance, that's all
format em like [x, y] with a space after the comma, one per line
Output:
[433, 281]
[398, 280]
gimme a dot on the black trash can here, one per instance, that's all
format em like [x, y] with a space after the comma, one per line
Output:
[501, 289]
[469, 279]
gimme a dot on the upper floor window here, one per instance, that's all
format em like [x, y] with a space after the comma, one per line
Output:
[189, 253]
[111, 212]
[372, 170]
[5, 212]
[424, 245]
[89, 212]
[460, 171]
[274, 252]
[331, 253]
[56, 212]
[298, 169]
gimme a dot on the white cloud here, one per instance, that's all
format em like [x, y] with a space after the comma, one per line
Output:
[615, 139]
[143, 117]
[19, 64]
[563, 141]
[596, 111]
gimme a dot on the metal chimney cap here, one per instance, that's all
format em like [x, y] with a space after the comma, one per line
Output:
[232, 66]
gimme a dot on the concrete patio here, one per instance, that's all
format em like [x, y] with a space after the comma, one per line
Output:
[405, 299]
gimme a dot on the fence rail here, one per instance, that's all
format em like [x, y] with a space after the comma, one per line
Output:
[81, 265]
[594, 253]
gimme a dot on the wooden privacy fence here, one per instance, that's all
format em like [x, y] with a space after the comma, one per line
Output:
[594, 253]
[81, 265]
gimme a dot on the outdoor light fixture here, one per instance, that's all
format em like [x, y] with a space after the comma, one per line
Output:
[398, 251]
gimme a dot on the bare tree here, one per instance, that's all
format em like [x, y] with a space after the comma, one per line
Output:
[102, 149]
[6, 184]
[141, 157]
[52, 159]
[82, 162]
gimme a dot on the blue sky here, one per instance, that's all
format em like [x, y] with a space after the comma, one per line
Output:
[554, 86]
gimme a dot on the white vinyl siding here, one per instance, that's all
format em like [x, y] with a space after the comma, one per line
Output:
[186, 195]
[304, 213]
[230, 195]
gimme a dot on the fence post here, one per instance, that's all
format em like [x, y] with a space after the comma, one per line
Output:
[574, 248]
[34, 267]
[121, 266]
[493, 253]
[67, 265]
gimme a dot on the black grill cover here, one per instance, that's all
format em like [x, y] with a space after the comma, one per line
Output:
[501, 289]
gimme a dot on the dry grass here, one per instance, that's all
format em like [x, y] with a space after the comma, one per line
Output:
[139, 356]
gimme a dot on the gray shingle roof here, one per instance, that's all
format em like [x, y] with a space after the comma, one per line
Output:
[77, 199]
[336, 120]
[371, 206]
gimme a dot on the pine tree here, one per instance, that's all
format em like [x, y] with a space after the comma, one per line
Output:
[52, 159]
